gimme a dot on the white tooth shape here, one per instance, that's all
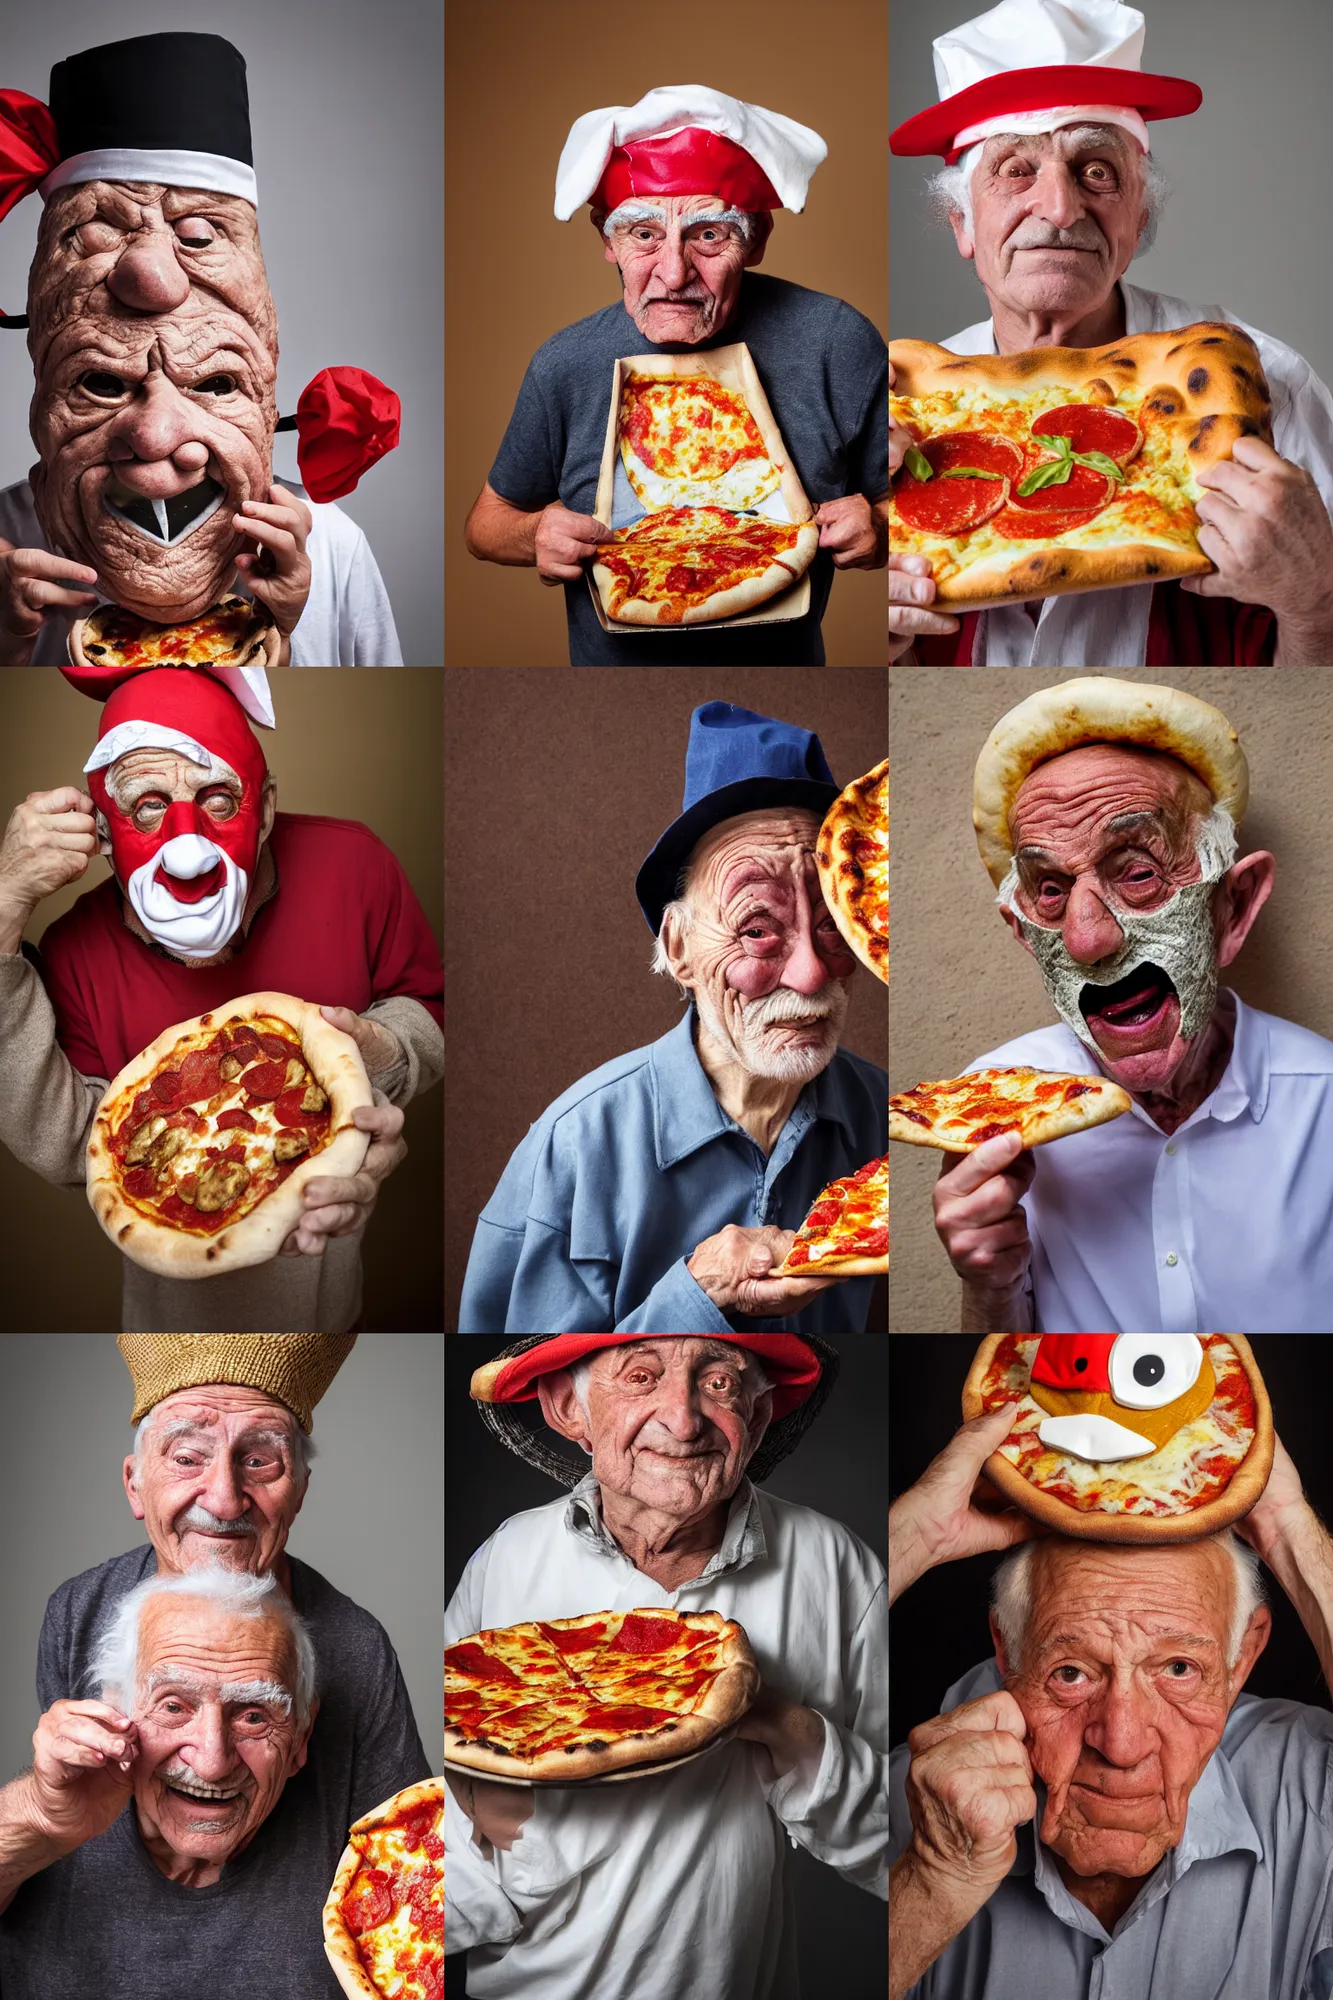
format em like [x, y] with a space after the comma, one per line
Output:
[160, 509]
[1092, 1437]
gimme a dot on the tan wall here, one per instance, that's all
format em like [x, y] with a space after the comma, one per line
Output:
[353, 745]
[518, 73]
[962, 984]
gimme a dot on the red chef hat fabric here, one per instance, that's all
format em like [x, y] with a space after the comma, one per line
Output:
[346, 419]
[691, 161]
[29, 146]
[196, 705]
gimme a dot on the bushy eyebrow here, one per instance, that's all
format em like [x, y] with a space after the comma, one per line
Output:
[239, 1693]
[205, 1434]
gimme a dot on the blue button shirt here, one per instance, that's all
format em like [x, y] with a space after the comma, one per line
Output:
[631, 1169]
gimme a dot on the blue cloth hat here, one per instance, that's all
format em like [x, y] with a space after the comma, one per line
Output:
[736, 762]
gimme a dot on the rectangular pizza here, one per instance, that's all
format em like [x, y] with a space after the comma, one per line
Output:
[1064, 468]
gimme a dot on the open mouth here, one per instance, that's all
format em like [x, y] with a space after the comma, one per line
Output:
[166, 521]
[1133, 1004]
[204, 1795]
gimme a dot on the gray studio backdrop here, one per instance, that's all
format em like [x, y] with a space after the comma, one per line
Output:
[372, 1523]
[1246, 226]
[346, 108]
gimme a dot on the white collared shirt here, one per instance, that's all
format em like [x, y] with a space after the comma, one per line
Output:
[670, 1887]
[1109, 628]
[1226, 1225]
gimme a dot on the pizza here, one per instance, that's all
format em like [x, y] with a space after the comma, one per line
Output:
[960, 1113]
[234, 632]
[384, 1916]
[1066, 468]
[1200, 1407]
[571, 1698]
[846, 1233]
[852, 854]
[686, 441]
[201, 1147]
[683, 565]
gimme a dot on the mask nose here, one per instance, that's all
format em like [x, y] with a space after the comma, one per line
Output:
[186, 854]
[148, 277]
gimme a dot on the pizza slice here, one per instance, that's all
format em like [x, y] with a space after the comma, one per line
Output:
[846, 1233]
[960, 1113]
[383, 1919]
[235, 632]
[691, 565]
[852, 855]
[688, 441]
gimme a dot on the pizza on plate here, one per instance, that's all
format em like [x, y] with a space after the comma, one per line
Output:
[572, 1698]
[852, 854]
[1132, 1437]
[688, 441]
[960, 1113]
[685, 565]
[1066, 468]
[384, 1915]
[201, 1147]
[234, 632]
[846, 1233]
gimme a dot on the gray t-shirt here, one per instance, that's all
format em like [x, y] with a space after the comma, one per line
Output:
[106, 1922]
[824, 368]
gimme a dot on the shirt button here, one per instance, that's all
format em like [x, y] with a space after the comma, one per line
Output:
[1171, 1257]
[1172, 1147]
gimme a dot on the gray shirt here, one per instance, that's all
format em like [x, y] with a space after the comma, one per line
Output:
[105, 1921]
[1242, 1909]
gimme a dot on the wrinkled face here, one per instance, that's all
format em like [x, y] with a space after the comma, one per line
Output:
[217, 1480]
[218, 1735]
[764, 960]
[1055, 217]
[673, 1422]
[1105, 837]
[1125, 1687]
[681, 258]
[154, 342]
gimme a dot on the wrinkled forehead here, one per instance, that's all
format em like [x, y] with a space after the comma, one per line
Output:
[1100, 791]
[206, 1641]
[772, 842]
[121, 203]
[1067, 143]
[675, 1351]
[1126, 1601]
[143, 342]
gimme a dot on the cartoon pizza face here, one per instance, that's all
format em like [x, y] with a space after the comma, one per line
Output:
[1114, 1396]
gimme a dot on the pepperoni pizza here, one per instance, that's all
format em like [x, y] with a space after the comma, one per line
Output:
[852, 855]
[684, 565]
[234, 632]
[846, 1233]
[960, 1113]
[688, 441]
[384, 1916]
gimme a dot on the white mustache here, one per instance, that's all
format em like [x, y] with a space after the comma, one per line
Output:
[1041, 236]
[199, 1517]
[784, 1005]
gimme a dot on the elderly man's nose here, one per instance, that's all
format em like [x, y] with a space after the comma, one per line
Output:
[805, 971]
[672, 266]
[1056, 196]
[222, 1495]
[1122, 1733]
[1090, 931]
[677, 1403]
[147, 276]
[158, 424]
[209, 1751]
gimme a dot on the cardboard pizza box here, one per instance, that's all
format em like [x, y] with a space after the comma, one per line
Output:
[618, 504]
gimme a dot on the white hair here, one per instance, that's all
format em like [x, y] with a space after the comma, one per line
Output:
[950, 190]
[1011, 1595]
[647, 211]
[114, 1666]
[303, 1447]
[581, 1371]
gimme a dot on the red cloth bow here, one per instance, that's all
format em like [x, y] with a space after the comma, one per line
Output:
[29, 147]
[345, 420]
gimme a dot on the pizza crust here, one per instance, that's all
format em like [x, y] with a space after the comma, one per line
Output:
[1037, 1125]
[263, 650]
[856, 811]
[258, 1235]
[1244, 1488]
[339, 1944]
[743, 596]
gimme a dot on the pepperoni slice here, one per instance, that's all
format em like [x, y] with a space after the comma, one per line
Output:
[144, 1104]
[236, 1120]
[166, 1087]
[647, 1635]
[265, 1079]
[140, 1183]
[951, 507]
[289, 1112]
[275, 1046]
[1091, 428]
[1054, 510]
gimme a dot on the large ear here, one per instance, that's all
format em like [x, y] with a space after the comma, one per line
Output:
[1238, 899]
[1256, 1638]
[1001, 1659]
[958, 223]
[561, 1407]
[137, 1507]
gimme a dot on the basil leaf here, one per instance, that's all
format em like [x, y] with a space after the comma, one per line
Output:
[1055, 472]
[1099, 462]
[918, 464]
[970, 472]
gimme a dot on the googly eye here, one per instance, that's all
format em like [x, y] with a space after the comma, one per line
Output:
[1150, 1369]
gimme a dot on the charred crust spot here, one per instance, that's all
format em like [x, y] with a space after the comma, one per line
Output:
[121, 1234]
[1125, 361]
[1201, 435]
[1152, 569]
[1163, 404]
[1028, 364]
[210, 1253]
[1197, 381]
[1214, 340]
[1242, 374]
[1249, 428]
[205, 1020]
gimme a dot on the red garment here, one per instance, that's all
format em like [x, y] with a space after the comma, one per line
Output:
[29, 146]
[1184, 630]
[342, 930]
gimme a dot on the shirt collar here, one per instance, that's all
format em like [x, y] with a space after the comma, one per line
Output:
[743, 1540]
[686, 1113]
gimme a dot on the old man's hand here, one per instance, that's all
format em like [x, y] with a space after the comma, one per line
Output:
[48, 844]
[792, 1735]
[856, 532]
[978, 1216]
[82, 1769]
[339, 1205]
[378, 1046]
[33, 584]
[911, 590]
[565, 541]
[1265, 526]
[497, 1812]
[953, 1511]
[730, 1267]
[279, 571]
[969, 1787]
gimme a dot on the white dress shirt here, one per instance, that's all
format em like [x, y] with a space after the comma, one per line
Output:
[671, 1887]
[1109, 628]
[1226, 1225]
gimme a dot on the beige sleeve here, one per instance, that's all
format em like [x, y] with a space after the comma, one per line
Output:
[46, 1106]
[422, 1043]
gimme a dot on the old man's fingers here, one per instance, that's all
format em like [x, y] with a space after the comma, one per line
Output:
[279, 573]
[1264, 525]
[74, 1735]
[340, 1204]
[48, 843]
[951, 1511]
[978, 1216]
[969, 1787]
[565, 541]
[852, 530]
[34, 582]
[732, 1266]
[911, 588]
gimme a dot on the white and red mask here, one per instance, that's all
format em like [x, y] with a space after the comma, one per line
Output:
[187, 879]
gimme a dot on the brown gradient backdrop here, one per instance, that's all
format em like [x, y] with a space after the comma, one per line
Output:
[556, 787]
[517, 75]
[962, 984]
[350, 745]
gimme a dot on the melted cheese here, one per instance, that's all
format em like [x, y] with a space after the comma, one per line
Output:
[383, 1948]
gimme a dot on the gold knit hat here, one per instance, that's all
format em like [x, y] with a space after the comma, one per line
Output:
[296, 1368]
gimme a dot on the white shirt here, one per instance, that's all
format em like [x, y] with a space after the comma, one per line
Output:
[347, 621]
[671, 1887]
[1228, 1224]
[1109, 628]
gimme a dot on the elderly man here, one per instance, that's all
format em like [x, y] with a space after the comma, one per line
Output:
[1179, 1842]
[1051, 190]
[154, 340]
[214, 894]
[672, 1886]
[656, 1194]
[1107, 813]
[682, 188]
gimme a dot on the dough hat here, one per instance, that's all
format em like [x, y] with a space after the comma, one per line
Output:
[1097, 709]
[296, 1368]
[736, 762]
[1036, 65]
[802, 1367]
[684, 138]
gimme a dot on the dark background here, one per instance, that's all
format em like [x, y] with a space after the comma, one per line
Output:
[939, 1626]
[840, 1468]
[557, 784]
